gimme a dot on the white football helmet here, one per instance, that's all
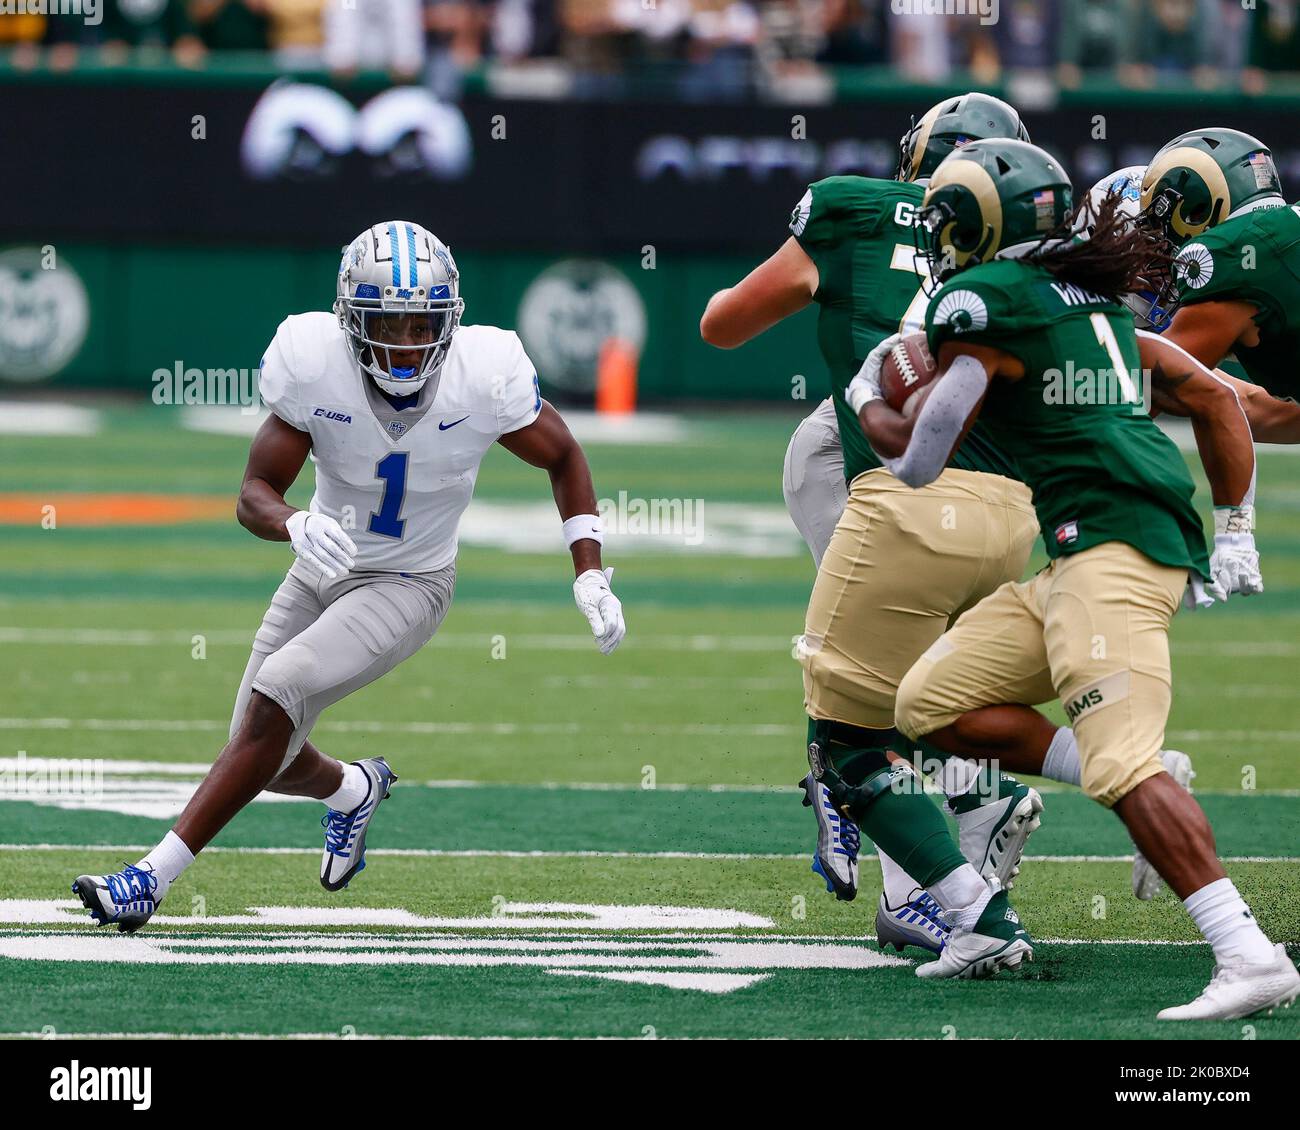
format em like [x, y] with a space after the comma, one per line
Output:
[399, 304]
[1126, 183]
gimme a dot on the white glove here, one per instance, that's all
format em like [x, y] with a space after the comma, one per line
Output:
[1234, 564]
[1198, 594]
[865, 387]
[601, 607]
[322, 542]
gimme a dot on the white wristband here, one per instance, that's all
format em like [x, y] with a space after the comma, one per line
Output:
[859, 394]
[584, 526]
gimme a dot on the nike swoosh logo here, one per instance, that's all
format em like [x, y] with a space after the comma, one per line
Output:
[443, 427]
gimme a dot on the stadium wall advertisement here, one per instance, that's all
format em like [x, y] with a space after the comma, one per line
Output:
[221, 208]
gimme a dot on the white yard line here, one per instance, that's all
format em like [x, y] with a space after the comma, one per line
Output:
[147, 637]
[127, 768]
[699, 729]
[211, 725]
[484, 853]
[111, 767]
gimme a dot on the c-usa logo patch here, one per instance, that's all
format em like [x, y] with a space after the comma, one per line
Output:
[964, 310]
[1195, 265]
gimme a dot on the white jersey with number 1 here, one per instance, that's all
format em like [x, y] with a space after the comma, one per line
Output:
[398, 489]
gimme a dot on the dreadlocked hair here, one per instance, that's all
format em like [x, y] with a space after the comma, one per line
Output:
[1118, 257]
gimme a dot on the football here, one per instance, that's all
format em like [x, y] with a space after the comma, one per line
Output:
[907, 369]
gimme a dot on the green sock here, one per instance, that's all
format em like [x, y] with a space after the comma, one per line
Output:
[908, 827]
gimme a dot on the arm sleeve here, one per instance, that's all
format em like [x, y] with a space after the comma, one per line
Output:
[278, 381]
[943, 418]
[521, 396]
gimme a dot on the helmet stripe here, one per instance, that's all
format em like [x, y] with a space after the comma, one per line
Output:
[410, 251]
[394, 251]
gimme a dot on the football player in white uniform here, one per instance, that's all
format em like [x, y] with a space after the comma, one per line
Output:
[396, 403]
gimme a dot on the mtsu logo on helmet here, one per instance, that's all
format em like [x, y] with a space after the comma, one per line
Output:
[399, 303]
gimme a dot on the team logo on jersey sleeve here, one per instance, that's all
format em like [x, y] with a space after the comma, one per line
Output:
[1195, 265]
[964, 310]
[802, 210]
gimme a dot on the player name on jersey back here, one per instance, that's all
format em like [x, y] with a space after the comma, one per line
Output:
[398, 488]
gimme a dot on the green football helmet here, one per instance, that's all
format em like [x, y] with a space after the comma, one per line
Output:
[950, 124]
[1200, 178]
[991, 196]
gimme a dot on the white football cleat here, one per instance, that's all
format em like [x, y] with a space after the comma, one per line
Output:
[1146, 879]
[1240, 989]
[997, 941]
[992, 834]
[345, 832]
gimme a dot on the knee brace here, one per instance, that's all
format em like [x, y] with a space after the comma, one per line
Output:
[853, 763]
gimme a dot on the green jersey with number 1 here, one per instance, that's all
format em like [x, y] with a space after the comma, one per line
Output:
[858, 231]
[1099, 467]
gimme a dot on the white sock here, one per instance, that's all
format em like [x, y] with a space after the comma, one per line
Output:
[956, 776]
[963, 895]
[167, 861]
[1221, 914]
[1062, 760]
[899, 885]
[352, 790]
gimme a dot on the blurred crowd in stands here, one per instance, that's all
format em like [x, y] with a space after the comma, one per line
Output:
[711, 48]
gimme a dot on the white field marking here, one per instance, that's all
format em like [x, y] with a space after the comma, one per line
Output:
[209, 725]
[577, 939]
[506, 729]
[304, 1036]
[1239, 649]
[529, 641]
[511, 916]
[125, 792]
[701, 982]
[677, 682]
[123, 768]
[485, 853]
[587, 427]
[609, 787]
[536, 641]
[718, 965]
[743, 529]
[198, 769]
[21, 418]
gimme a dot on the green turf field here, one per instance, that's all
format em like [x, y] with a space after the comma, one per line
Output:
[579, 845]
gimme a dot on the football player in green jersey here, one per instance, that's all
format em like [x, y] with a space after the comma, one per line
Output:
[1033, 342]
[899, 567]
[1216, 196]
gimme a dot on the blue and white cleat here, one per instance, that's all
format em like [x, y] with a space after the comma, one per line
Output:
[918, 922]
[345, 832]
[126, 899]
[838, 841]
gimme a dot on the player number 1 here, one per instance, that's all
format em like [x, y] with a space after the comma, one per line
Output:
[392, 470]
[1106, 337]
